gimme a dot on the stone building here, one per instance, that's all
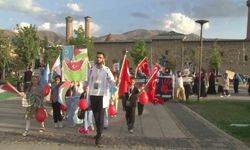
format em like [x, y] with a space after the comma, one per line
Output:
[234, 53]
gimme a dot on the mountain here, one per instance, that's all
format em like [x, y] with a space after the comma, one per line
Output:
[52, 36]
[133, 35]
[147, 35]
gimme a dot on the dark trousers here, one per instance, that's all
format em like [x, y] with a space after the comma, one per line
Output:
[220, 90]
[98, 112]
[187, 88]
[26, 86]
[236, 88]
[130, 117]
[140, 108]
[226, 92]
[56, 112]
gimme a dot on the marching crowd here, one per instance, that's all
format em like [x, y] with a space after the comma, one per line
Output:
[101, 89]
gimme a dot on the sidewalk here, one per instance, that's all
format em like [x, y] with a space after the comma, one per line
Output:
[172, 126]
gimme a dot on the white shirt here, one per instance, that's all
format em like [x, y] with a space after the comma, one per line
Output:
[99, 80]
[179, 82]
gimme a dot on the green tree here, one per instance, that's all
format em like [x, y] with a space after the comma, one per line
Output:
[80, 39]
[138, 51]
[215, 59]
[50, 51]
[27, 44]
[195, 58]
[5, 53]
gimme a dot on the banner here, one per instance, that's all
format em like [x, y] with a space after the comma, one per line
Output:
[230, 74]
[74, 64]
[164, 87]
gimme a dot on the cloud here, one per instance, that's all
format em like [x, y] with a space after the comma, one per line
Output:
[213, 8]
[24, 24]
[207, 8]
[140, 15]
[60, 25]
[74, 7]
[44, 26]
[183, 24]
[21, 25]
[25, 6]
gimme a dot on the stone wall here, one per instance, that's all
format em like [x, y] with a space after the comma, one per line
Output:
[233, 52]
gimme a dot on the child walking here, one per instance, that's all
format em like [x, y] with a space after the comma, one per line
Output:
[34, 96]
[88, 116]
[130, 105]
[55, 104]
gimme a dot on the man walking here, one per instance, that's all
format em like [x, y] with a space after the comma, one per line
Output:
[100, 78]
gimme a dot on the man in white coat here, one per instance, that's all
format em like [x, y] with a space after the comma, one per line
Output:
[100, 78]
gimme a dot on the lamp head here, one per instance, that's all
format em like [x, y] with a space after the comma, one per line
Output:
[201, 22]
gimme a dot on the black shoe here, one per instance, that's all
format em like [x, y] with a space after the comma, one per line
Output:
[98, 142]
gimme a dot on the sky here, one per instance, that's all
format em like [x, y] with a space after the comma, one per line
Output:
[227, 18]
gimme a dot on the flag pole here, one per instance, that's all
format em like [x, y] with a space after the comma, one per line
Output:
[151, 52]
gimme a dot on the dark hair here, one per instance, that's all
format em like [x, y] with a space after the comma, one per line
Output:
[132, 78]
[58, 76]
[101, 53]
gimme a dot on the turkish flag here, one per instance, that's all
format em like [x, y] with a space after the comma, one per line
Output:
[156, 68]
[8, 87]
[124, 79]
[151, 84]
[144, 67]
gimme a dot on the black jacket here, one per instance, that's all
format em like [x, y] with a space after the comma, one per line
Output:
[130, 97]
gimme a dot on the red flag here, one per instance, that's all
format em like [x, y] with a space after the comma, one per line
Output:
[8, 87]
[151, 84]
[156, 68]
[144, 67]
[124, 79]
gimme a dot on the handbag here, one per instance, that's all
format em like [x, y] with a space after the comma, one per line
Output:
[81, 114]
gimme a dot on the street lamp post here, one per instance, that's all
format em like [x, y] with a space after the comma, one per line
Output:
[201, 22]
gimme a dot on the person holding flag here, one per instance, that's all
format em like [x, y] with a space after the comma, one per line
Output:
[34, 96]
[100, 78]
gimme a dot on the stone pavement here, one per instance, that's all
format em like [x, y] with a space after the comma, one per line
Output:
[173, 126]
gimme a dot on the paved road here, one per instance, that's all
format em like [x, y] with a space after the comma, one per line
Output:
[172, 126]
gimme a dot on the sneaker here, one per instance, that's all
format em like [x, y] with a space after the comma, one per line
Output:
[56, 125]
[60, 125]
[41, 130]
[25, 133]
[131, 131]
[221, 96]
[228, 95]
[91, 128]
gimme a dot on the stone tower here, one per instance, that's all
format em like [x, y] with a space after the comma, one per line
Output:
[87, 26]
[69, 28]
[248, 20]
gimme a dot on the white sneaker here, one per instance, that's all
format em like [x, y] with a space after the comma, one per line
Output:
[131, 131]
[228, 95]
[56, 125]
[41, 130]
[25, 133]
[221, 96]
[60, 125]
